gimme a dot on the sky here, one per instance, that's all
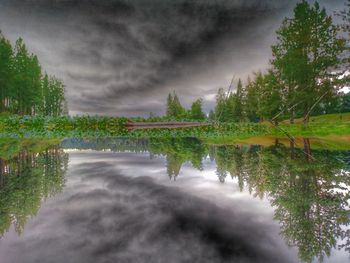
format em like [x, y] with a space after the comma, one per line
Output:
[123, 57]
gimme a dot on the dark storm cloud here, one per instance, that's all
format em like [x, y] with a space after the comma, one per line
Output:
[126, 219]
[113, 54]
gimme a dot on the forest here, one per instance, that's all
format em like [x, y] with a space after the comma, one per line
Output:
[308, 70]
[24, 88]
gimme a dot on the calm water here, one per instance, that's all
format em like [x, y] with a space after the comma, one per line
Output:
[118, 200]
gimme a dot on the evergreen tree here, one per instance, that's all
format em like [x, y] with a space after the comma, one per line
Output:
[23, 89]
[174, 108]
[220, 108]
[252, 98]
[211, 116]
[345, 57]
[270, 96]
[238, 106]
[169, 103]
[306, 50]
[6, 72]
[179, 111]
[196, 112]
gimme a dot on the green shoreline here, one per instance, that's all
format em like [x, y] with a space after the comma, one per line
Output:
[330, 131]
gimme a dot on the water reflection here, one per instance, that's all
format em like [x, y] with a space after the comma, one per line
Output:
[308, 190]
[27, 177]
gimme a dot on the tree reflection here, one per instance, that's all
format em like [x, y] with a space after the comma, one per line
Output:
[309, 190]
[179, 151]
[26, 179]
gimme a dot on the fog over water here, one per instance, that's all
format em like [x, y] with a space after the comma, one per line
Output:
[123, 57]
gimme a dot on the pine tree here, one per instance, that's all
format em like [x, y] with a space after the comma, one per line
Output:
[220, 108]
[211, 115]
[6, 72]
[306, 50]
[238, 106]
[252, 98]
[345, 57]
[196, 112]
[169, 109]
[270, 96]
[174, 108]
[179, 111]
[23, 89]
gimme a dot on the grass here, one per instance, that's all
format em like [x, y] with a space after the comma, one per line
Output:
[336, 125]
[327, 118]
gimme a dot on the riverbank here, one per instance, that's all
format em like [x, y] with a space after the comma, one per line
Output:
[336, 126]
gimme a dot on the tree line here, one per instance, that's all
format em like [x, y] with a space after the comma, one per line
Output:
[176, 111]
[309, 67]
[307, 70]
[24, 88]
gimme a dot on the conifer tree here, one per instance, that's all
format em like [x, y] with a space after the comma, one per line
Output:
[307, 49]
[196, 110]
[238, 106]
[6, 72]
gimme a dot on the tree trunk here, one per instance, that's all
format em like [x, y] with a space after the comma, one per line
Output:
[307, 149]
[292, 116]
[292, 148]
[306, 114]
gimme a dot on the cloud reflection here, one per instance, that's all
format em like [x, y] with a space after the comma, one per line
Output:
[105, 216]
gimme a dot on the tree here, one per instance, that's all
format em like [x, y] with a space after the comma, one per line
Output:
[345, 29]
[307, 49]
[238, 106]
[23, 89]
[6, 73]
[174, 108]
[220, 108]
[225, 105]
[179, 111]
[211, 115]
[252, 99]
[196, 110]
[169, 105]
[270, 97]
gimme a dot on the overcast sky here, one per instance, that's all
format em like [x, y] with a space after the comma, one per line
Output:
[121, 57]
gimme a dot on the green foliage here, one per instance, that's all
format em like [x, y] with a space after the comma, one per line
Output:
[229, 107]
[35, 172]
[309, 196]
[62, 126]
[6, 80]
[23, 88]
[302, 80]
[238, 108]
[253, 97]
[174, 109]
[98, 126]
[196, 110]
[307, 49]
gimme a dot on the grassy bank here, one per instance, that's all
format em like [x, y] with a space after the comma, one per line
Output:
[62, 127]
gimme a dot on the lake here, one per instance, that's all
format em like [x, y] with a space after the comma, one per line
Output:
[173, 200]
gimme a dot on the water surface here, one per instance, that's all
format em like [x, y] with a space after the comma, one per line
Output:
[173, 200]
